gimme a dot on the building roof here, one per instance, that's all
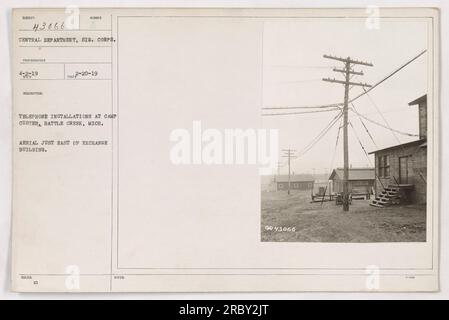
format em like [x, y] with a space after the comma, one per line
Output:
[419, 100]
[295, 178]
[407, 144]
[354, 174]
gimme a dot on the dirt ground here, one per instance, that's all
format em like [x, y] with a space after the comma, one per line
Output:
[294, 219]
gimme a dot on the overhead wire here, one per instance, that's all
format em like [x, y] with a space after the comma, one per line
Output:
[300, 112]
[336, 106]
[383, 117]
[383, 126]
[320, 135]
[388, 76]
[366, 91]
[325, 106]
[365, 152]
[333, 157]
[366, 128]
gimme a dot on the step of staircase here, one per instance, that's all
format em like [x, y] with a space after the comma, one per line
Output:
[376, 205]
[386, 197]
[391, 195]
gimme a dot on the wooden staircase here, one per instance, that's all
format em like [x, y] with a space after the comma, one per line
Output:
[389, 196]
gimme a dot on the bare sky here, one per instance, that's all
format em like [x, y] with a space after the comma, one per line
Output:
[294, 66]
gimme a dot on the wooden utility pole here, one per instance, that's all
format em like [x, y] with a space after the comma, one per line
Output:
[348, 72]
[288, 153]
[278, 171]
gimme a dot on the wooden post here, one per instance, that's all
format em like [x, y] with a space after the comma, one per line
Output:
[288, 153]
[345, 140]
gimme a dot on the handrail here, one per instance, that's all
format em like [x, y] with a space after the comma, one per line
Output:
[422, 176]
[324, 194]
[396, 181]
[378, 178]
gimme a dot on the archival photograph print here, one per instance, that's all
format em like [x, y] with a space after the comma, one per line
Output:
[348, 97]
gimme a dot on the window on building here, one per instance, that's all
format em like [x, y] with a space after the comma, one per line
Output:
[296, 185]
[280, 186]
[384, 166]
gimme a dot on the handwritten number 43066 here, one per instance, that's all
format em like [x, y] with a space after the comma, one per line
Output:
[280, 229]
[48, 26]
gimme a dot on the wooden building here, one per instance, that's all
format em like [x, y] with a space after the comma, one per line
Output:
[402, 169]
[361, 180]
[297, 182]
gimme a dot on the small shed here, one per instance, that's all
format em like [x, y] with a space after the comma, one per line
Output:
[361, 180]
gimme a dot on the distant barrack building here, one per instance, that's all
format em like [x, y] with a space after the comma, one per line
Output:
[297, 182]
[402, 169]
[280, 182]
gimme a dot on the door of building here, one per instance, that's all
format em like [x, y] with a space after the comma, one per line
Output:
[403, 169]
